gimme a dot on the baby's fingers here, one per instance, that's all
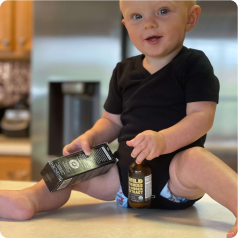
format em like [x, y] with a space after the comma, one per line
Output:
[136, 141]
[86, 148]
[138, 149]
[144, 153]
[71, 148]
[76, 146]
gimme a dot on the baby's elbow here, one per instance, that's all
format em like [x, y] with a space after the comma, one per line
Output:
[210, 123]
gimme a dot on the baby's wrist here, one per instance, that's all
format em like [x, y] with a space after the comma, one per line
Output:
[91, 135]
[164, 143]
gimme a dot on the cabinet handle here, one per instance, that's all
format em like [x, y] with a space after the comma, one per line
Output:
[18, 175]
[5, 42]
[22, 41]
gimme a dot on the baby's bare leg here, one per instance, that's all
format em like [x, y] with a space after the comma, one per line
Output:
[196, 170]
[104, 187]
[23, 204]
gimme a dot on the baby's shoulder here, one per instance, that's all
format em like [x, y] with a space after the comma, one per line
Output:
[128, 62]
[193, 54]
[192, 59]
[128, 69]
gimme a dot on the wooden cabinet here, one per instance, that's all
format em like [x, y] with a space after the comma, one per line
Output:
[23, 25]
[6, 26]
[15, 29]
[15, 168]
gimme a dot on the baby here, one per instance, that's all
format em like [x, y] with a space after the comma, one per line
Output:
[160, 106]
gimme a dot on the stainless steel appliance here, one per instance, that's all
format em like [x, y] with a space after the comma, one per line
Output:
[74, 41]
[73, 109]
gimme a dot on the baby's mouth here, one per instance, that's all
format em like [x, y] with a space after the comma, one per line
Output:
[153, 38]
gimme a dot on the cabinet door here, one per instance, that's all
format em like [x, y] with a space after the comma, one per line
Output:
[23, 25]
[6, 26]
[15, 168]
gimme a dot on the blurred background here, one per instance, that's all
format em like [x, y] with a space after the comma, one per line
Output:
[56, 61]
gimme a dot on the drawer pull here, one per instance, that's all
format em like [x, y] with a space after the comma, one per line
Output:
[5, 42]
[22, 41]
[18, 175]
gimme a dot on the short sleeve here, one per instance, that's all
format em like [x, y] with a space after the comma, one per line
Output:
[113, 103]
[200, 83]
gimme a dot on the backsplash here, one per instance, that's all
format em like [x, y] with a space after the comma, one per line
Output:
[14, 82]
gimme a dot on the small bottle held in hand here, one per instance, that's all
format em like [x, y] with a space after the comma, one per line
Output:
[140, 185]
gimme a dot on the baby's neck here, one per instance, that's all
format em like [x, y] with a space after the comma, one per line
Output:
[150, 68]
[152, 64]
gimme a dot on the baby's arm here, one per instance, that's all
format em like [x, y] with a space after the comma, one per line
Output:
[106, 129]
[199, 120]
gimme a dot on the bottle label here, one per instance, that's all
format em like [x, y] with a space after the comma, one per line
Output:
[148, 187]
[140, 189]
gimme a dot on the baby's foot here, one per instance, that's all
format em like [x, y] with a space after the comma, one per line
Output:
[16, 205]
[233, 231]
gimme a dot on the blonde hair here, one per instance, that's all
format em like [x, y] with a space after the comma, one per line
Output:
[193, 2]
[188, 3]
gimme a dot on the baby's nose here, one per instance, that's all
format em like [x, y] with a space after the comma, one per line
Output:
[150, 23]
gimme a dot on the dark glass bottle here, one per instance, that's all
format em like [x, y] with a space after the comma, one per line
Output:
[139, 185]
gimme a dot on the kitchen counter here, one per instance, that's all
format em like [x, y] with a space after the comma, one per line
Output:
[83, 216]
[15, 146]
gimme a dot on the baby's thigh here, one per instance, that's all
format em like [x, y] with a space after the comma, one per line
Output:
[181, 172]
[104, 187]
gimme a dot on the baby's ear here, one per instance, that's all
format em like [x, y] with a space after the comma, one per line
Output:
[123, 21]
[193, 16]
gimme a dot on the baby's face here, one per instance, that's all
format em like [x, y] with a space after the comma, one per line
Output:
[164, 19]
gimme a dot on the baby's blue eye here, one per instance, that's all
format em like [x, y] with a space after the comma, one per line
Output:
[163, 11]
[134, 17]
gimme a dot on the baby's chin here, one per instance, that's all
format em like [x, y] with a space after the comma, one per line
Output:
[160, 53]
[154, 55]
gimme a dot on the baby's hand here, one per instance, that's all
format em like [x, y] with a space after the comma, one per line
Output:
[83, 142]
[147, 145]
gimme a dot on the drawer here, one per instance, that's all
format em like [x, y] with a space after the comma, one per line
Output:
[15, 168]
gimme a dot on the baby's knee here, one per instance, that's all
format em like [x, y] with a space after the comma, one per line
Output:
[103, 187]
[194, 151]
[194, 156]
[24, 209]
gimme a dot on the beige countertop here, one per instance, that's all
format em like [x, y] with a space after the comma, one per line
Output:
[83, 216]
[15, 146]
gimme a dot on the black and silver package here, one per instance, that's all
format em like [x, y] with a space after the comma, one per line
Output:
[77, 167]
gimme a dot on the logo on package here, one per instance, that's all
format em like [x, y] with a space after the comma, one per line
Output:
[74, 163]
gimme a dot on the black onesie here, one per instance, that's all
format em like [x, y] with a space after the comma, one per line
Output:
[156, 102]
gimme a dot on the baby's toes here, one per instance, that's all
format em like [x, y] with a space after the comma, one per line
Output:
[233, 231]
